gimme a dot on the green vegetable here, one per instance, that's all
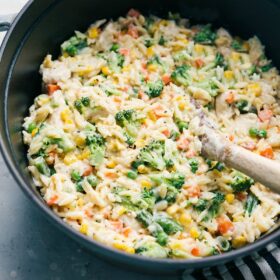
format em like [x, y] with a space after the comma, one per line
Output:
[266, 67]
[73, 46]
[92, 180]
[151, 249]
[201, 205]
[148, 43]
[131, 174]
[218, 166]
[223, 243]
[219, 60]
[193, 165]
[181, 125]
[31, 127]
[85, 101]
[169, 225]
[252, 70]
[76, 176]
[42, 166]
[79, 106]
[176, 180]
[174, 135]
[180, 75]
[237, 45]
[241, 183]
[79, 187]
[152, 155]
[116, 62]
[205, 36]
[254, 132]
[251, 203]
[155, 60]
[243, 106]
[214, 206]
[115, 47]
[149, 197]
[161, 41]
[154, 89]
[171, 194]
[96, 145]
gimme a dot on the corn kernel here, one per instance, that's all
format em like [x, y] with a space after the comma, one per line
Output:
[194, 233]
[228, 74]
[185, 219]
[80, 141]
[69, 159]
[93, 33]
[238, 219]
[85, 71]
[111, 164]
[152, 116]
[121, 211]
[84, 228]
[199, 48]
[184, 41]
[123, 247]
[239, 241]
[235, 56]
[182, 106]
[80, 202]
[176, 245]
[171, 210]
[105, 70]
[140, 143]
[230, 197]
[152, 67]
[255, 89]
[146, 184]
[84, 155]
[64, 115]
[150, 51]
[34, 131]
[142, 169]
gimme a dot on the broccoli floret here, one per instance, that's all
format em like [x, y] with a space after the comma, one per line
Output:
[176, 180]
[116, 61]
[219, 60]
[154, 60]
[205, 36]
[238, 46]
[180, 75]
[171, 194]
[96, 144]
[115, 47]
[42, 166]
[193, 164]
[128, 120]
[214, 207]
[149, 197]
[74, 45]
[154, 89]
[251, 203]
[152, 249]
[171, 154]
[152, 155]
[242, 106]
[266, 67]
[218, 166]
[161, 41]
[241, 183]
[169, 225]
[201, 205]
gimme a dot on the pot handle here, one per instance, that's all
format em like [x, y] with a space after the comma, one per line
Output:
[5, 21]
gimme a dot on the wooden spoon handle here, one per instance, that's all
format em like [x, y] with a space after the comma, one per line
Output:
[261, 169]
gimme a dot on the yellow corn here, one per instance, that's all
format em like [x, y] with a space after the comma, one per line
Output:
[185, 219]
[69, 159]
[84, 228]
[239, 241]
[85, 71]
[152, 116]
[152, 67]
[255, 89]
[80, 141]
[199, 48]
[34, 131]
[235, 56]
[84, 155]
[230, 197]
[121, 211]
[238, 219]
[150, 51]
[171, 210]
[142, 169]
[93, 33]
[228, 74]
[140, 143]
[176, 245]
[182, 106]
[65, 116]
[80, 202]
[111, 164]
[105, 70]
[194, 233]
[146, 184]
[123, 247]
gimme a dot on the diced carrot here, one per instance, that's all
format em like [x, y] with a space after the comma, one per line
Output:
[193, 191]
[126, 231]
[124, 51]
[267, 152]
[166, 79]
[190, 153]
[52, 200]
[231, 137]
[251, 146]
[265, 115]
[117, 99]
[88, 171]
[160, 111]
[230, 97]
[143, 96]
[111, 175]
[133, 13]
[52, 88]
[183, 143]
[133, 31]
[144, 65]
[88, 213]
[118, 225]
[166, 132]
[224, 225]
[199, 63]
[195, 252]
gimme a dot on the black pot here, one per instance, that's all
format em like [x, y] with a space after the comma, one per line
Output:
[41, 27]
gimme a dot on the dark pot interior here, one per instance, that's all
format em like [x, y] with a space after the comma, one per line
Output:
[46, 23]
